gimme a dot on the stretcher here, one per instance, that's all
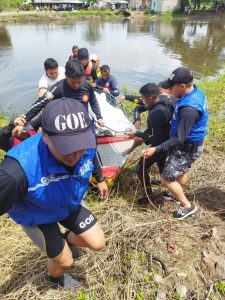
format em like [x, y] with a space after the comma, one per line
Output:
[111, 139]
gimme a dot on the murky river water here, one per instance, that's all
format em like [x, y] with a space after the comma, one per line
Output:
[138, 51]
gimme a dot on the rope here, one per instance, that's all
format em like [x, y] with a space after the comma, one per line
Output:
[170, 246]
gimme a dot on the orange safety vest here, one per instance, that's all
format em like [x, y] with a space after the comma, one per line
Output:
[87, 72]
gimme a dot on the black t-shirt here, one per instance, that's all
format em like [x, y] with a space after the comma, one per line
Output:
[13, 183]
[85, 94]
[158, 123]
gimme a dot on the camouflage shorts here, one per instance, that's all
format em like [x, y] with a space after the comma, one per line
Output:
[179, 162]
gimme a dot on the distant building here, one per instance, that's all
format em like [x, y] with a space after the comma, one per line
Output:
[139, 4]
[112, 4]
[163, 6]
[75, 4]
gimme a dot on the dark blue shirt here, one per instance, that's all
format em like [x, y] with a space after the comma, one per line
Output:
[110, 84]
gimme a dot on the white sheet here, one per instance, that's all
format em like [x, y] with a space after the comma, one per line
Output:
[113, 117]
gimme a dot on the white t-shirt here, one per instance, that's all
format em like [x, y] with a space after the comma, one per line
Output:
[46, 82]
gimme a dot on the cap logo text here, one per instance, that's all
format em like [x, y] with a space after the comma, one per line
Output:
[71, 121]
[172, 76]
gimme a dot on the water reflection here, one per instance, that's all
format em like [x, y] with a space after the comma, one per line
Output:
[140, 25]
[199, 44]
[5, 41]
[93, 32]
[5, 49]
[137, 50]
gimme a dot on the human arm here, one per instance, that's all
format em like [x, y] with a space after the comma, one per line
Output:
[94, 74]
[114, 90]
[188, 116]
[35, 123]
[38, 105]
[41, 92]
[134, 99]
[94, 103]
[5, 135]
[101, 184]
[139, 109]
[13, 183]
[155, 134]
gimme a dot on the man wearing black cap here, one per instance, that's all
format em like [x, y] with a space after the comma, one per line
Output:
[188, 130]
[90, 73]
[43, 183]
[73, 86]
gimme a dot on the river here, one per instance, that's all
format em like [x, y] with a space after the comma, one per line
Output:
[138, 51]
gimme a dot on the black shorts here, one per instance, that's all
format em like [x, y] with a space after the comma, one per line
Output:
[49, 238]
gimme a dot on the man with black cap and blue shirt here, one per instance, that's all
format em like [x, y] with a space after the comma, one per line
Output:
[43, 183]
[188, 130]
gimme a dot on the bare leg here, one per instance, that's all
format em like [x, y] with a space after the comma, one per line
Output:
[182, 179]
[175, 188]
[57, 266]
[93, 238]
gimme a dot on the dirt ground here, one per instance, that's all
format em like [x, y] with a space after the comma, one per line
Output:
[135, 264]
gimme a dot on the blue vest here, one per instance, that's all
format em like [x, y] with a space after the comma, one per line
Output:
[53, 193]
[196, 99]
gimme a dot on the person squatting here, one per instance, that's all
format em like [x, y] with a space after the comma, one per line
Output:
[50, 191]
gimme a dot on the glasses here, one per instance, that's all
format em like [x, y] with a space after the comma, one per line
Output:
[94, 61]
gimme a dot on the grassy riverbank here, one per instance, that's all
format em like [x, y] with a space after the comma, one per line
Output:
[128, 268]
[30, 16]
[10, 4]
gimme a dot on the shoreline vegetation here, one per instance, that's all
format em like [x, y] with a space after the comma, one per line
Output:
[135, 264]
[16, 15]
[30, 16]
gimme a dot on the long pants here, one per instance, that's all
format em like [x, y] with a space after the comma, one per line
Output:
[159, 159]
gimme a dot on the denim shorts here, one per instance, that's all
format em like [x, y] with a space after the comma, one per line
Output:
[178, 162]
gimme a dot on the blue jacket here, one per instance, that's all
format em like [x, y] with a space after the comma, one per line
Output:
[196, 99]
[53, 193]
[110, 83]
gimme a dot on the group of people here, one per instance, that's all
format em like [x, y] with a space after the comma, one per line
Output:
[176, 127]
[43, 180]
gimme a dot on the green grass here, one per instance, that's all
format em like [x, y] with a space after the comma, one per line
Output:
[45, 15]
[10, 3]
[3, 122]
[215, 93]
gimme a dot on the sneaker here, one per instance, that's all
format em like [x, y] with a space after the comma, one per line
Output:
[144, 200]
[169, 197]
[155, 182]
[65, 281]
[73, 248]
[184, 212]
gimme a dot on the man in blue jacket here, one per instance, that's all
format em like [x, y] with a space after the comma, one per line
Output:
[107, 82]
[188, 130]
[43, 183]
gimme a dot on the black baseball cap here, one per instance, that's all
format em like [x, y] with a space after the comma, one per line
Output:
[180, 75]
[67, 124]
[83, 53]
